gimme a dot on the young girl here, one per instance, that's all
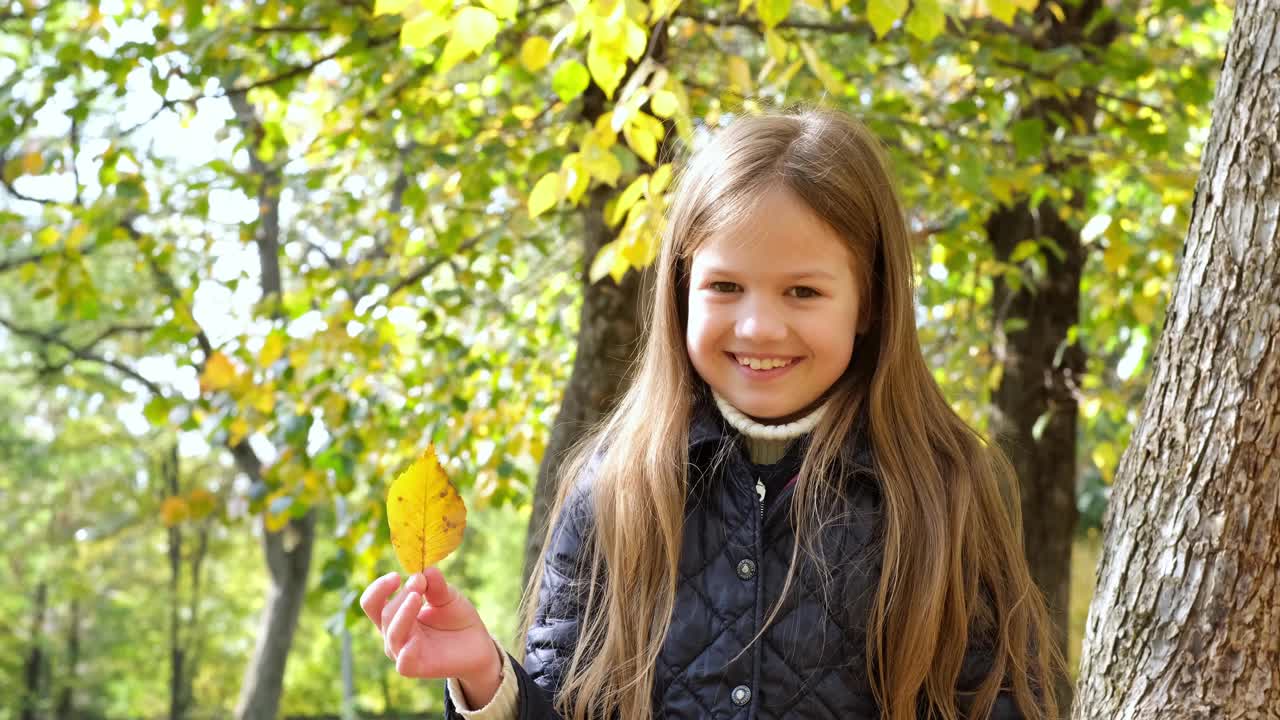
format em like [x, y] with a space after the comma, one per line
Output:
[782, 517]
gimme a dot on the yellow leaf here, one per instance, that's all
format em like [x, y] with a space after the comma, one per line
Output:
[637, 188]
[426, 514]
[272, 350]
[776, 45]
[926, 21]
[1002, 10]
[219, 373]
[76, 237]
[663, 103]
[422, 30]
[238, 430]
[641, 141]
[201, 503]
[601, 163]
[173, 511]
[884, 13]
[32, 163]
[740, 76]
[475, 27]
[658, 183]
[607, 63]
[773, 12]
[390, 7]
[546, 193]
[574, 178]
[505, 9]
[535, 53]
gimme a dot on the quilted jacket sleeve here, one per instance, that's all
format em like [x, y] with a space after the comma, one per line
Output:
[554, 632]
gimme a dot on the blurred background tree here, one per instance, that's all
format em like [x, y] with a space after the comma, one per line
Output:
[255, 257]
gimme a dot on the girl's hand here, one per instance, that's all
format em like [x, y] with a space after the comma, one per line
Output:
[443, 638]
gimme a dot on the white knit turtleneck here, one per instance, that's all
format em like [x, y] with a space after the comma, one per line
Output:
[767, 444]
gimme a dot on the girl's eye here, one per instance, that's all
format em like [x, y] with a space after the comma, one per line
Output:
[803, 292]
[723, 286]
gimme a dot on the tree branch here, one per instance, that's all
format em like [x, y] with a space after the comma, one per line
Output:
[84, 353]
[427, 268]
[12, 263]
[170, 103]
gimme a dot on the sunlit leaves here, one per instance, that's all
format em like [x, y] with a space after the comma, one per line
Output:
[882, 14]
[926, 20]
[219, 373]
[545, 195]
[570, 80]
[535, 53]
[773, 12]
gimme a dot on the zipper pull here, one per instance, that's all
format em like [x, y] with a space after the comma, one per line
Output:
[760, 494]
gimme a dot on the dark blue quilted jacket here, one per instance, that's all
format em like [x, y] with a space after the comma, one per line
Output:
[810, 662]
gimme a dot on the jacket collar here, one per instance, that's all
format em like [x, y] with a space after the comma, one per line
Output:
[708, 428]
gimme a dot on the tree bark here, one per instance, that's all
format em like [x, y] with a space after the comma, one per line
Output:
[1186, 617]
[288, 552]
[66, 709]
[35, 655]
[169, 468]
[608, 332]
[1035, 403]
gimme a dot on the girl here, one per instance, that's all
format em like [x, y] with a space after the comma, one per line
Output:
[782, 517]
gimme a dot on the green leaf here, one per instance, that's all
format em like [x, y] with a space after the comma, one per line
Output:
[475, 28]
[570, 80]
[1024, 250]
[773, 12]
[1028, 137]
[927, 20]
[884, 13]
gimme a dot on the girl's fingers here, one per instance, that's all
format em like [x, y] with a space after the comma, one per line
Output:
[390, 609]
[374, 597]
[401, 628]
[438, 592]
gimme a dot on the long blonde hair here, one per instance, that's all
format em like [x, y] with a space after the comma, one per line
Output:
[953, 564]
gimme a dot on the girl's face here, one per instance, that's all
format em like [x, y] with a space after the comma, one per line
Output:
[773, 309]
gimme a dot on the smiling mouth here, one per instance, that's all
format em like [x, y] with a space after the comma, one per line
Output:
[762, 362]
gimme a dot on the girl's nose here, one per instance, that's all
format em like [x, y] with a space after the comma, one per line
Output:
[760, 323]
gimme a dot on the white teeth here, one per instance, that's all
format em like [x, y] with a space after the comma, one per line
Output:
[763, 364]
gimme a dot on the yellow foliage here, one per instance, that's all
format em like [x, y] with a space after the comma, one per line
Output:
[219, 373]
[426, 514]
[173, 511]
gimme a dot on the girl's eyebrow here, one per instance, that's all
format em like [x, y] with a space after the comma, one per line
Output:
[792, 276]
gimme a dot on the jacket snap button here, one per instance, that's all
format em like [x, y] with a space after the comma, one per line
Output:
[746, 569]
[741, 695]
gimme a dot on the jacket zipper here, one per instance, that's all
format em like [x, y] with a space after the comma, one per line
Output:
[760, 494]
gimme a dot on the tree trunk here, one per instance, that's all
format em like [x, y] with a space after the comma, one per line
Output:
[35, 656]
[66, 695]
[177, 658]
[608, 332]
[1035, 403]
[607, 337]
[288, 562]
[1186, 616]
[288, 552]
